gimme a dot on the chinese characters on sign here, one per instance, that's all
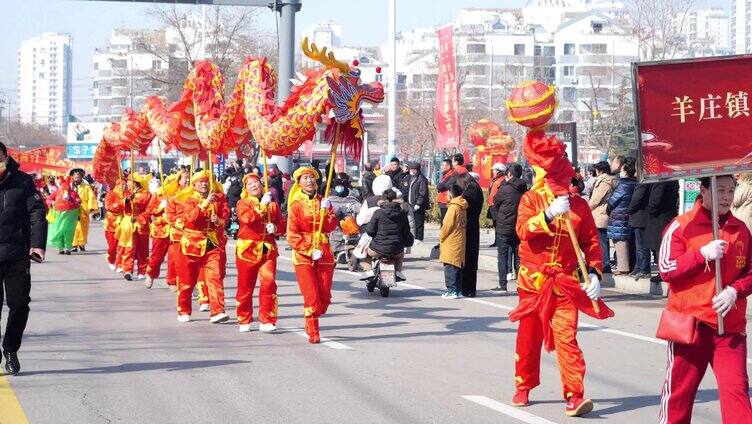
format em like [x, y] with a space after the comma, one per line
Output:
[81, 151]
[693, 117]
[735, 106]
[447, 94]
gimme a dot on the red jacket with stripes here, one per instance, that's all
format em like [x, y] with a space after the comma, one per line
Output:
[691, 279]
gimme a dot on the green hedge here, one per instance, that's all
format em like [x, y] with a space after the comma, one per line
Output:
[433, 214]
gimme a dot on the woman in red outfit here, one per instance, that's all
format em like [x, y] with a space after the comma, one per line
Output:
[256, 254]
[312, 254]
[203, 242]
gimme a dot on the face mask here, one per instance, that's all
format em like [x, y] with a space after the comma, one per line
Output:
[339, 189]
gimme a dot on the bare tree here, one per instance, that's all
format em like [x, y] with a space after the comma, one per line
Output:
[231, 36]
[657, 25]
[31, 135]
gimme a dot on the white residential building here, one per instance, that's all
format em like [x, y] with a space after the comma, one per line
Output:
[45, 77]
[705, 29]
[121, 77]
[739, 22]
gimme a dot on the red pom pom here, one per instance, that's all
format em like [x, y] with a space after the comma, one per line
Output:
[355, 62]
[378, 69]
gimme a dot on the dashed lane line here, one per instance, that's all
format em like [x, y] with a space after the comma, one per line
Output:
[508, 410]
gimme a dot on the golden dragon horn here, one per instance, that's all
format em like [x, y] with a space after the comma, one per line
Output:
[324, 57]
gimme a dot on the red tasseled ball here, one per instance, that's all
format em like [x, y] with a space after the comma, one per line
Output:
[355, 62]
[378, 69]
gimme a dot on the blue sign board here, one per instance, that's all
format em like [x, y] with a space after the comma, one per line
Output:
[81, 150]
[219, 168]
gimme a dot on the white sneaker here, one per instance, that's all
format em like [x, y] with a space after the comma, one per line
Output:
[267, 328]
[184, 318]
[511, 276]
[119, 270]
[244, 328]
[418, 242]
[400, 275]
[204, 307]
[140, 277]
[220, 317]
[149, 282]
[112, 267]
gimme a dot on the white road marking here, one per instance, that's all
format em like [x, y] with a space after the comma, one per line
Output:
[324, 341]
[508, 410]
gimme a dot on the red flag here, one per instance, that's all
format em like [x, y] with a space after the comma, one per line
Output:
[447, 94]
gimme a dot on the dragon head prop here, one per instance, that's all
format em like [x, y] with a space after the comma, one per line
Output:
[345, 97]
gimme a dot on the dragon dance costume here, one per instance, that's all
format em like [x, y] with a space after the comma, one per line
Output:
[314, 276]
[256, 256]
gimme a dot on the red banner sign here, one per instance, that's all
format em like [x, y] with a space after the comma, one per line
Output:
[46, 160]
[448, 128]
[694, 117]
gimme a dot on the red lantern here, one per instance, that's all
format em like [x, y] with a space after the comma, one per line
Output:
[532, 103]
[481, 131]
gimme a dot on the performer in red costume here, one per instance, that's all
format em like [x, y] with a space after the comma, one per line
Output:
[173, 216]
[312, 254]
[203, 242]
[114, 201]
[548, 284]
[256, 254]
[134, 234]
[160, 228]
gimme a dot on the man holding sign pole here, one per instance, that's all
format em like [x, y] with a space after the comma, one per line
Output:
[705, 259]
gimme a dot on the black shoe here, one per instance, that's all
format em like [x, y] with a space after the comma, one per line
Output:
[656, 279]
[492, 245]
[468, 295]
[61, 252]
[67, 252]
[12, 366]
[81, 248]
[128, 276]
[501, 288]
[75, 249]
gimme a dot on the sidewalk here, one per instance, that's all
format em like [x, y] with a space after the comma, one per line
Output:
[487, 262]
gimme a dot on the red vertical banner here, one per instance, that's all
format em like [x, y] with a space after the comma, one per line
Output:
[447, 112]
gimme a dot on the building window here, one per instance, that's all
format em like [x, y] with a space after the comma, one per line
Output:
[569, 94]
[401, 79]
[519, 50]
[415, 95]
[549, 51]
[568, 49]
[476, 48]
[477, 70]
[593, 49]
[417, 79]
[156, 64]
[567, 71]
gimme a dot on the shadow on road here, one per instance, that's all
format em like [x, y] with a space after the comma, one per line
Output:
[141, 366]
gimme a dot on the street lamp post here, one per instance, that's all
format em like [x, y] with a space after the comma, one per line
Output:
[392, 103]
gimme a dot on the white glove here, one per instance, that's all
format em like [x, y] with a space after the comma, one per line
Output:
[271, 228]
[326, 204]
[723, 302]
[316, 254]
[558, 207]
[163, 204]
[714, 250]
[592, 290]
[266, 199]
[416, 207]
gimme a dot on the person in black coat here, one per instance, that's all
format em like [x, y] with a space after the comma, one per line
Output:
[506, 201]
[23, 234]
[638, 218]
[663, 206]
[396, 173]
[366, 182]
[390, 231]
[473, 194]
[415, 191]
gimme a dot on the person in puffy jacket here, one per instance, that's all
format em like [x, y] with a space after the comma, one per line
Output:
[602, 188]
[618, 216]
[506, 202]
[390, 231]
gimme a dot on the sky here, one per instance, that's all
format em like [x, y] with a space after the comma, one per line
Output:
[90, 22]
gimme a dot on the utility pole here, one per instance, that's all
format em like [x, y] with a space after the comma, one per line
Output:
[392, 96]
[287, 42]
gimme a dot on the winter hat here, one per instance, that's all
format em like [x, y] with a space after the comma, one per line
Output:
[381, 184]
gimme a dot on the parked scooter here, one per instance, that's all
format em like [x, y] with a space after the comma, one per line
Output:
[384, 277]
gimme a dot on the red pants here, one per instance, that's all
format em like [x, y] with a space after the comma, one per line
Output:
[213, 263]
[202, 289]
[315, 282]
[159, 248]
[111, 246]
[174, 256]
[139, 252]
[265, 270]
[686, 366]
[119, 256]
[568, 353]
